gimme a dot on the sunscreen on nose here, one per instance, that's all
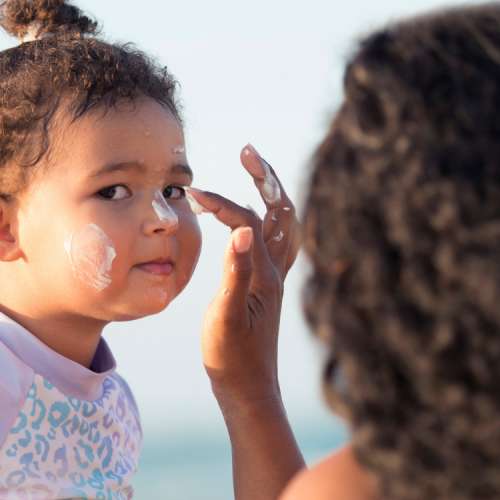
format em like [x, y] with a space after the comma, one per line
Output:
[163, 210]
[91, 254]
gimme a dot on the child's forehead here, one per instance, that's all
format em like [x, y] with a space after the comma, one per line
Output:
[128, 132]
[140, 167]
[142, 116]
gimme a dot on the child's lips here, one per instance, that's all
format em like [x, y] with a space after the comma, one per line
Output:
[162, 268]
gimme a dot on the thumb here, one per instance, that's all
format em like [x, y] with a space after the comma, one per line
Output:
[238, 270]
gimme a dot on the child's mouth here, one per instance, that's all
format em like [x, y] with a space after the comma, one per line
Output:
[162, 268]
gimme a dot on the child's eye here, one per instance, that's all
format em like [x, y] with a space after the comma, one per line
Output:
[109, 192]
[174, 192]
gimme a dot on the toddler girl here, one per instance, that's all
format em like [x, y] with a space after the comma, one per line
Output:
[95, 226]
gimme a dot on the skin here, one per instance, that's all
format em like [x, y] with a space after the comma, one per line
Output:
[240, 339]
[240, 334]
[66, 313]
[338, 476]
[241, 328]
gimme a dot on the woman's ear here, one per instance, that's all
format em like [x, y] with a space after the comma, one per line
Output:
[9, 241]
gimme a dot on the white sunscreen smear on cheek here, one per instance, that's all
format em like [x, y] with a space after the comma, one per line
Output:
[163, 209]
[270, 188]
[91, 253]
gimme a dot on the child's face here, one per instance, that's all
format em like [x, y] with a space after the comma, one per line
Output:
[85, 234]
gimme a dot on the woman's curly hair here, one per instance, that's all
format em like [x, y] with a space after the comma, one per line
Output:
[66, 61]
[402, 225]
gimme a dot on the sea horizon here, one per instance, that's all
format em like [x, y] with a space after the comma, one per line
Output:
[196, 464]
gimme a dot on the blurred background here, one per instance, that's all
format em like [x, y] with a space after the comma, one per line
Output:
[267, 72]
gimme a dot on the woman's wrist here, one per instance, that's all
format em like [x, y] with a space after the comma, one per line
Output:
[237, 406]
[264, 450]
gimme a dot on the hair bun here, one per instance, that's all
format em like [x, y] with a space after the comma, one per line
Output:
[20, 17]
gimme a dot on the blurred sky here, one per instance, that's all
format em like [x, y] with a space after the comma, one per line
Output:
[267, 72]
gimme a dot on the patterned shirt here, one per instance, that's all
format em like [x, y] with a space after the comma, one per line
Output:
[66, 431]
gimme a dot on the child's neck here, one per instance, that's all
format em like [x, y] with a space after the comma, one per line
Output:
[74, 337]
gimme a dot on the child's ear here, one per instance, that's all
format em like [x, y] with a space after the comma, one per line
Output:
[9, 241]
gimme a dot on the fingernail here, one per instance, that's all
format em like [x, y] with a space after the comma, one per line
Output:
[249, 148]
[274, 217]
[270, 189]
[242, 240]
[256, 169]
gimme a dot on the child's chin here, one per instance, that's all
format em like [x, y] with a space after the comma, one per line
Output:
[148, 308]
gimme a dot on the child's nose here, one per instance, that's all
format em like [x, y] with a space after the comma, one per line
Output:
[165, 218]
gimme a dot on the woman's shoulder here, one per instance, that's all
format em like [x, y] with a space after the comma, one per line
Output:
[339, 476]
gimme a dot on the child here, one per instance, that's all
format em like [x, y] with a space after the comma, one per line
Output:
[95, 227]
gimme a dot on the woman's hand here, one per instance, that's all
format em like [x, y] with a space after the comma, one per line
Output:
[240, 335]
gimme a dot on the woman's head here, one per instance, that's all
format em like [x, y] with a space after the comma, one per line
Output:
[71, 105]
[403, 230]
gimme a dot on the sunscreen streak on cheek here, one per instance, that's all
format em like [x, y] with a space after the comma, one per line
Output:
[91, 253]
[164, 210]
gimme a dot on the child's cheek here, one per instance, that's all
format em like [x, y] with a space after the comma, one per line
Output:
[91, 254]
[190, 244]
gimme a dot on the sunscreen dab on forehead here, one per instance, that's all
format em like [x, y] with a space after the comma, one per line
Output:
[179, 150]
[91, 253]
[163, 209]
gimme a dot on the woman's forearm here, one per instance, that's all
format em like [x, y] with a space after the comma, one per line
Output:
[265, 453]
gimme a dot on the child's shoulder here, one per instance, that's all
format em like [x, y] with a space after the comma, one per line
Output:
[337, 476]
[15, 380]
[129, 395]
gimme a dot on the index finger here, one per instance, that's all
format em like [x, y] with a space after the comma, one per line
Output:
[233, 215]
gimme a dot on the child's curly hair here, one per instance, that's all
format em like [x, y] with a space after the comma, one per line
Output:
[403, 230]
[66, 61]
